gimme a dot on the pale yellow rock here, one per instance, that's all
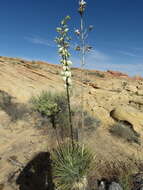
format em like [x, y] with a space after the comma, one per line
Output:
[4, 119]
[140, 92]
[131, 88]
[130, 114]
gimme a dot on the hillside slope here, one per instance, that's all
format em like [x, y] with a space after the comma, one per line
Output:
[109, 96]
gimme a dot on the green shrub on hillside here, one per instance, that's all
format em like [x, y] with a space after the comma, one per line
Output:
[50, 105]
[45, 104]
[54, 108]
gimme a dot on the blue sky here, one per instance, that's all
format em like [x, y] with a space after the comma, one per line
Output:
[27, 30]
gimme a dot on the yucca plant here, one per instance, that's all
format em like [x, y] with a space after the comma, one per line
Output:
[71, 166]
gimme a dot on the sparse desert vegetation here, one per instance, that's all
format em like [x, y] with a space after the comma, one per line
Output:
[64, 128]
[126, 132]
[16, 111]
[29, 131]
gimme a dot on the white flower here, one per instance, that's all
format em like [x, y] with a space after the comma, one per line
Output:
[66, 30]
[67, 73]
[64, 78]
[65, 85]
[61, 49]
[82, 3]
[69, 63]
[58, 29]
[69, 81]
[77, 32]
[65, 68]
[62, 73]
[63, 61]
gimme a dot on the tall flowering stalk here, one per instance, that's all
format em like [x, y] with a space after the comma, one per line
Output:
[63, 44]
[82, 34]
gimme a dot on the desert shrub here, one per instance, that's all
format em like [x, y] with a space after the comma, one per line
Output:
[124, 84]
[35, 65]
[45, 104]
[97, 74]
[91, 123]
[71, 166]
[15, 110]
[86, 81]
[5, 98]
[125, 132]
[52, 106]
[120, 171]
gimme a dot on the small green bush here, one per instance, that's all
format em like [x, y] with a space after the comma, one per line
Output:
[52, 106]
[71, 166]
[45, 104]
[125, 132]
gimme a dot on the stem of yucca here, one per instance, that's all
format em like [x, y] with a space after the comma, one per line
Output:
[82, 67]
[70, 115]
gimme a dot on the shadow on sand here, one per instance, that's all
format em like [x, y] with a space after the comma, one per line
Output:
[37, 175]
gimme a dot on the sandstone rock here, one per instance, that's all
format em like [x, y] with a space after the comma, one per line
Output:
[117, 73]
[140, 92]
[129, 114]
[131, 88]
[103, 115]
[4, 119]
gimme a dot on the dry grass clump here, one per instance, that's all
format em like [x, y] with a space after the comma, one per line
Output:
[126, 171]
[97, 74]
[114, 169]
[16, 111]
[117, 170]
[123, 131]
[91, 123]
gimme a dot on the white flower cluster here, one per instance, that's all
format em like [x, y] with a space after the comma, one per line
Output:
[63, 45]
[82, 3]
[82, 6]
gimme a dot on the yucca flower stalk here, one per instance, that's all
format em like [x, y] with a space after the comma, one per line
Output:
[63, 44]
[82, 35]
